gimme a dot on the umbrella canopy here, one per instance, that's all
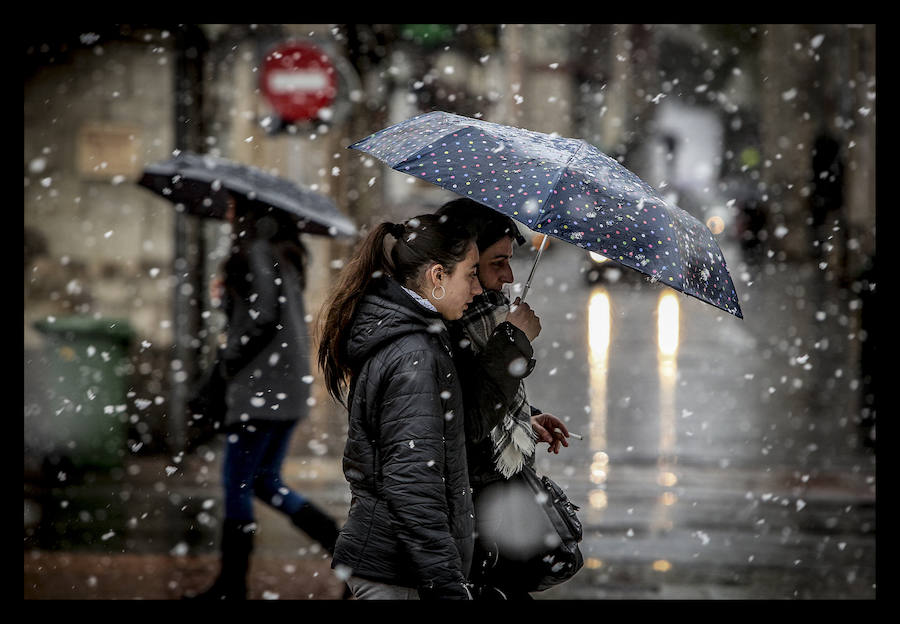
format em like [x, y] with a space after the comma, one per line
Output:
[202, 184]
[565, 188]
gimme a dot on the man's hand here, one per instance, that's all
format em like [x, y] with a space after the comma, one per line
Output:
[544, 426]
[522, 316]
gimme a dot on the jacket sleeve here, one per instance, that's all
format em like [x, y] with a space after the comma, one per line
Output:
[250, 333]
[411, 445]
[491, 378]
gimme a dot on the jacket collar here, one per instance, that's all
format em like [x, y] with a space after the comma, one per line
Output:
[386, 313]
[389, 289]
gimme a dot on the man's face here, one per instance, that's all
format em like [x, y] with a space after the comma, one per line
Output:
[493, 266]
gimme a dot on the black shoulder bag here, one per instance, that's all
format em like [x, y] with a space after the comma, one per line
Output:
[549, 513]
[561, 562]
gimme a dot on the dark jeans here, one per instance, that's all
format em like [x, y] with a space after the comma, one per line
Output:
[254, 452]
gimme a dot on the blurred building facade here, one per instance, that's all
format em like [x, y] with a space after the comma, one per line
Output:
[100, 105]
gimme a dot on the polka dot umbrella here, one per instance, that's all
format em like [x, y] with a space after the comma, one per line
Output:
[564, 188]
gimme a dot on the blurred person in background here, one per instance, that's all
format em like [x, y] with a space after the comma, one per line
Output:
[258, 382]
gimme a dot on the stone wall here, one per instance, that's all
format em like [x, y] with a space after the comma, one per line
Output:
[103, 246]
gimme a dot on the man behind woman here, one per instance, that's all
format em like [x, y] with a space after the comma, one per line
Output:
[502, 437]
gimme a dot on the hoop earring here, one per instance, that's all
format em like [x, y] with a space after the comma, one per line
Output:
[443, 292]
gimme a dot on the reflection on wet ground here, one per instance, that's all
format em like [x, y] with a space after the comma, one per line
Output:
[724, 457]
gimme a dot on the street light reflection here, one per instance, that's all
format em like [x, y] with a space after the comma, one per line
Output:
[668, 335]
[601, 459]
[599, 467]
[599, 328]
[667, 479]
[592, 563]
[598, 499]
[667, 323]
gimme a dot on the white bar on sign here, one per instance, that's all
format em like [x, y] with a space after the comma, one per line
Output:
[289, 82]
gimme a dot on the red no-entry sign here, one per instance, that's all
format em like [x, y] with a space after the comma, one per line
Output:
[299, 81]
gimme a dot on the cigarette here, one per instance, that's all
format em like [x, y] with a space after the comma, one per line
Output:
[574, 435]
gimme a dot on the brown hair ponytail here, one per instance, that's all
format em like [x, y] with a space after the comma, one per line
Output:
[421, 241]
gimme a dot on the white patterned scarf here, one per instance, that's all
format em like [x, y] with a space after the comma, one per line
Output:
[513, 438]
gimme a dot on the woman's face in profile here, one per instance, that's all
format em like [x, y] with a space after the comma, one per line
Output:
[460, 287]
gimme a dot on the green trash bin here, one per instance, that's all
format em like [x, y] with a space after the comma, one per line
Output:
[87, 378]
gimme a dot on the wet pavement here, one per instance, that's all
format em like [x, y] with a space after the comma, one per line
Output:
[150, 532]
[722, 458]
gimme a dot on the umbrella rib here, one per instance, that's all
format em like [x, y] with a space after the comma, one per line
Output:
[456, 127]
[675, 225]
[558, 176]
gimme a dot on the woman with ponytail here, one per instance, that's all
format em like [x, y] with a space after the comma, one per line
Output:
[383, 342]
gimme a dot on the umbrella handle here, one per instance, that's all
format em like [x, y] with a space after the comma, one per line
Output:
[534, 266]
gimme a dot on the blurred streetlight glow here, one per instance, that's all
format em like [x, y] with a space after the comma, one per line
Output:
[668, 499]
[667, 323]
[716, 225]
[599, 327]
[667, 479]
[598, 499]
[601, 458]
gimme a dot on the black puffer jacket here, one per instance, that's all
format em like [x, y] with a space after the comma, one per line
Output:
[411, 518]
[259, 373]
[266, 355]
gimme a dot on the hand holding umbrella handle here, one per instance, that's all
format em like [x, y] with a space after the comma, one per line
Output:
[522, 316]
[534, 266]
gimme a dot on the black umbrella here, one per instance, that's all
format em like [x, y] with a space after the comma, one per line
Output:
[202, 183]
[564, 188]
